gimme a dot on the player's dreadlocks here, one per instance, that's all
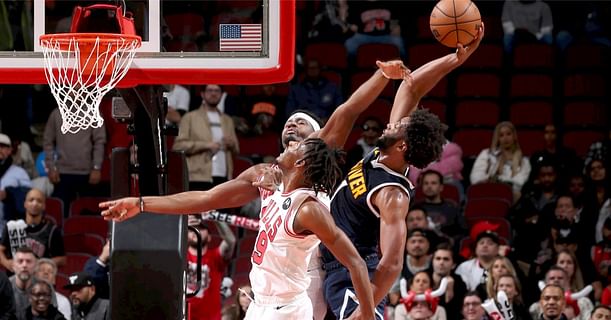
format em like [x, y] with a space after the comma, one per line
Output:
[323, 170]
[424, 137]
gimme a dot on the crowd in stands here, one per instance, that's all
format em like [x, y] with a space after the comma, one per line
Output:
[521, 193]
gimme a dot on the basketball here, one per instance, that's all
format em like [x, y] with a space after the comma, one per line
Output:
[455, 21]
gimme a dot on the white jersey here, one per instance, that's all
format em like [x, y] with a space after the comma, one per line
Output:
[280, 258]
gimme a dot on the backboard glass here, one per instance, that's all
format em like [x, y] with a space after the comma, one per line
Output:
[181, 40]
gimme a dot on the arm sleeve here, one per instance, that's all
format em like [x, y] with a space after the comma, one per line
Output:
[56, 243]
[479, 170]
[547, 23]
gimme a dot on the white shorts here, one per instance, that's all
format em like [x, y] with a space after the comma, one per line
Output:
[316, 293]
[298, 309]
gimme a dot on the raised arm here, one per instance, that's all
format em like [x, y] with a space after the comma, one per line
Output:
[425, 78]
[228, 244]
[393, 204]
[315, 218]
[233, 193]
[336, 131]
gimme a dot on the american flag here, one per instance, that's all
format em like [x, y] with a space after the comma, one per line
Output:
[240, 37]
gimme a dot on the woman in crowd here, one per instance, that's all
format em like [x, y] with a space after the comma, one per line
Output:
[500, 266]
[237, 310]
[568, 261]
[510, 284]
[419, 284]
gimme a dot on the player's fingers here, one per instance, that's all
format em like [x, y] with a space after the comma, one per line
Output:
[106, 204]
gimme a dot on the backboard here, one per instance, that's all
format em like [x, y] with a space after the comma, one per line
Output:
[185, 42]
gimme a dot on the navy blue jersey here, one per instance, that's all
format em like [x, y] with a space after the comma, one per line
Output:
[351, 205]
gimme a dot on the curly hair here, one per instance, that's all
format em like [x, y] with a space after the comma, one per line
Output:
[323, 171]
[424, 138]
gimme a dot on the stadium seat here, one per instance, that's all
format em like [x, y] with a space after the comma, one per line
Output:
[241, 279]
[367, 54]
[54, 208]
[486, 207]
[240, 164]
[329, 54]
[60, 281]
[88, 243]
[86, 224]
[242, 264]
[420, 54]
[530, 141]
[533, 56]
[440, 90]
[75, 262]
[585, 85]
[435, 106]
[477, 113]
[585, 114]
[359, 78]
[267, 144]
[586, 56]
[531, 113]
[580, 140]
[487, 56]
[504, 229]
[531, 85]
[473, 141]
[379, 109]
[86, 206]
[245, 247]
[490, 190]
[478, 85]
[494, 28]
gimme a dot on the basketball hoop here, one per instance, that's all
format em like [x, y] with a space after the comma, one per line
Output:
[81, 68]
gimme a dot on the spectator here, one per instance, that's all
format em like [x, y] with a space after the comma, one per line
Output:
[499, 267]
[98, 268]
[600, 150]
[74, 160]
[36, 232]
[570, 215]
[552, 303]
[372, 22]
[10, 176]
[208, 138]
[207, 302]
[598, 186]
[418, 218]
[23, 265]
[474, 271]
[601, 312]
[472, 307]
[556, 276]
[419, 284]
[449, 165]
[237, 310]
[46, 270]
[7, 307]
[314, 93]
[577, 186]
[372, 130]
[263, 114]
[329, 24]
[530, 19]
[179, 99]
[417, 256]
[40, 293]
[86, 305]
[511, 286]
[22, 156]
[444, 213]
[568, 261]
[503, 161]
[554, 153]
[443, 267]
[604, 221]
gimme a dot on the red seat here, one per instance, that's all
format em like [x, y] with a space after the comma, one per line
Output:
[267, 144]
[477, 113]
[246, 246]
[420, 54]
[367, 54]
[241, 279]
[530, 141]
[486, 85]
[531, 85]
[379, 109]
[75, 262]
[586, 55]
[504, 229]
[488, 56]
[359, 78]
[450, 192]
[494, 28]
[88, 243]
[86, 224]
[473, 141]
[240, 164]
[329, 54]
[60, 281]
[54, 208]
[585, 114]
[423, 32]
[440, 90]
[585, 85]
[533, 55]
[242, 264]
[490, 190]
[580, 140]
[435, 106]
[86, 206]
[486, 207]
[531, 113]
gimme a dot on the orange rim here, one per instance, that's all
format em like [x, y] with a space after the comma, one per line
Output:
[65, 39]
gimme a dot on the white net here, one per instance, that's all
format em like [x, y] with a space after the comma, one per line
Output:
[81, 69]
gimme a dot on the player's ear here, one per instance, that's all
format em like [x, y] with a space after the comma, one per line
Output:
[299, 163]
[402, 145]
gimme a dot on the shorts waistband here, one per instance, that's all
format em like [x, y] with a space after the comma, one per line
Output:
[274, 300]
[333, 265]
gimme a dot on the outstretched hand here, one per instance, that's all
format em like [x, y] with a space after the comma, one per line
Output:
[271, 177]
[463, 53]
[394, 69]
[121, 209]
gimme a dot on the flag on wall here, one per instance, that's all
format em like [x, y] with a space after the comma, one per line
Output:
[240, 37]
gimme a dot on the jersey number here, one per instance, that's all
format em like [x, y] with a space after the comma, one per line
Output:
[260, 247]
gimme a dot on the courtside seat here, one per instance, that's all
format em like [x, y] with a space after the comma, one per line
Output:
[531, 114]
[478, 85]
[477, 113]
[531, 85]
[585, 113]
[585, 85]
[487, 56]
[473, 141]
[533, 56]
[54, 209]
